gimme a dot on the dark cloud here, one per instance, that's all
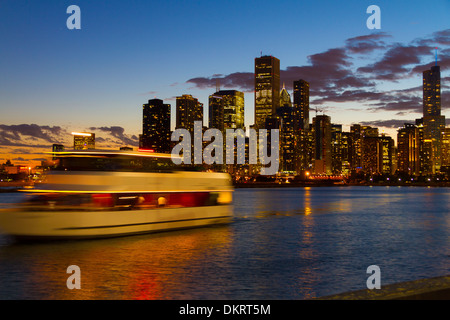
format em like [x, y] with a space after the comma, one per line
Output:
[439, 38]
[391, 123]
[12, 135]
[334, 78]
[443, 61]
[400, 101]
[367, 43]
[397, 62]
[32, 130]
[242, 80]
[118, 133]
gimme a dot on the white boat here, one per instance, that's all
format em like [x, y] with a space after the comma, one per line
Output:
[92, 194]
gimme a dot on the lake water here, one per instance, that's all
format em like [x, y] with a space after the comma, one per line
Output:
[290, 243]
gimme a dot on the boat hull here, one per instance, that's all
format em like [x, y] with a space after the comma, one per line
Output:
[48, 225]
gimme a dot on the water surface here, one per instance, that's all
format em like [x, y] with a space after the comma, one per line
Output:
[294, 243]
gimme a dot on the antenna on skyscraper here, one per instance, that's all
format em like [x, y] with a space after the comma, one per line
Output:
[435, 56]
[217, 85]
[317, 110]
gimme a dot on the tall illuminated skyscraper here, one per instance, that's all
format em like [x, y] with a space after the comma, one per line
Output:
[188, 110]
[301, 105]
[155, 126]
[433, 121]
[336, 148]
[300, 118]
[267, 88]
[226, 110]
[408, 149]
[285, 98]
[321, 131]
[432, 91]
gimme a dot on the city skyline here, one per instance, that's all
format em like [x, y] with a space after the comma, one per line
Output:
[361, 76]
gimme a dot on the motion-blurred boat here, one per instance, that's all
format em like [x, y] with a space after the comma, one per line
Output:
[91, 194]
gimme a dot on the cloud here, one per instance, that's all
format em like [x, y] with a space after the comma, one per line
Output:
[149, 93]
[367, 43]
[334, 76]
[244, 81]
[397, 63]
[118, 133]
[391, 123]
[15, 135]
[438, 38]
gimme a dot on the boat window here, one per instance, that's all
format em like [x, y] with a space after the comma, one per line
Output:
[119, 163]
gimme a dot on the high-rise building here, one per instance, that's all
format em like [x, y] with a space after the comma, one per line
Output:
[387, 152]
[301, 105]
[408, 149]
[346, 152]
[321, 131]
[83, 140]
[285, 98]
[356, 150]
[287, 151]
[188, 110]
[155, 126]
[432, 91]
[302, 134]
[267, 88]
[425, 150]
[433, 121]
[445, 148]
[371, 155]
[226, 110]
[336, 148]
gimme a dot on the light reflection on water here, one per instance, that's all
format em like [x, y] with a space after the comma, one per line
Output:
[293, 243]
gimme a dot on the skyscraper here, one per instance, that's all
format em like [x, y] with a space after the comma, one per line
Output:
[155, 126]
[336, 148]
[432, 92]
[321, 131]
[301, 105]
[226, 110]
[445, 149]
[286, 127]
[267, 88]
[433, 122]
[387, 151]
[188, 110]
[301, 126]
[285, 98]
[425, 150]
[356, 149]
[408, 149]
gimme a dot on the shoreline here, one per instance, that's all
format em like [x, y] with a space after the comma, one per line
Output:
[437, 288]
[331, 184]
[6, 187]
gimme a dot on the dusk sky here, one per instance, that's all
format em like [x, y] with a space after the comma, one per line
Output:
[54, 80]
